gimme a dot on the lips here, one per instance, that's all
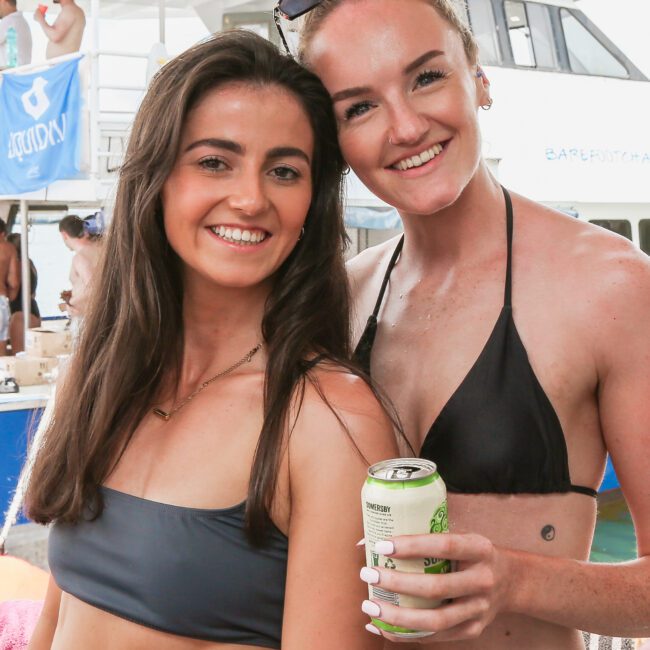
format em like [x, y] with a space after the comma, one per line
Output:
[420, 158]
[241, 236]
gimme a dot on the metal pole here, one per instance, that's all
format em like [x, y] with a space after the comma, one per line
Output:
[25, 279]
[161, 21]
[94, 92]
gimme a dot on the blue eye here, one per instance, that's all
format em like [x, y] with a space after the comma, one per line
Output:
[356, 110]
[427, 77]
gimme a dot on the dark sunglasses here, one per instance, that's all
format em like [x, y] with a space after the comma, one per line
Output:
[291, 9]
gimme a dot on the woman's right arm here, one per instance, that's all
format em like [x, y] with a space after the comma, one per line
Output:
[326, 470]
[46, 626]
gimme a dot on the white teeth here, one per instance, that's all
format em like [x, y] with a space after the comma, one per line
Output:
[238, 236]
[419, 159]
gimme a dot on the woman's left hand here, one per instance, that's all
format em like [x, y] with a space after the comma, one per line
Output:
[478, 588]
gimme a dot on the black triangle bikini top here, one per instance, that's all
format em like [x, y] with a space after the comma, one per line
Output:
[499, 432]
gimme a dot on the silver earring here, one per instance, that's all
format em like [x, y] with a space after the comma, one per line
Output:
[488, 106]
[302, 233]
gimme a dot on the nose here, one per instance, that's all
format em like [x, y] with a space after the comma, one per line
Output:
[249, 195]
[407, 125]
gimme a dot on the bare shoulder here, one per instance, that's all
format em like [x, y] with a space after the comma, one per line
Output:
[597, 259]
[340, 417]
[363, 268]
[7, 251]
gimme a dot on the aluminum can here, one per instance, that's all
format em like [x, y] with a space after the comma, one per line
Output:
[403, 496]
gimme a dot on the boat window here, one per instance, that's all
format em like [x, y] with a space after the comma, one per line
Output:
[644, 235]
[587, 55]
[541, 31]
[619, 226]
[481, 17]
[519, 33]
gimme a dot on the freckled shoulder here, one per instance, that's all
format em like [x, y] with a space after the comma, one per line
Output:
[587, 254]
[340, 420]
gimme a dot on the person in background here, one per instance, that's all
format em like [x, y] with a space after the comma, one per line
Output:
[14, 19]
[87, 250]
[515, 366]
[9, 284]
[65, 34]
[16, 324]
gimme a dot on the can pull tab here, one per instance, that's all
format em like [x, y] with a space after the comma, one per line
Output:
[402, 473]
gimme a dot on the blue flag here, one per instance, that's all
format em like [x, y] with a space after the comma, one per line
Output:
[40, 130]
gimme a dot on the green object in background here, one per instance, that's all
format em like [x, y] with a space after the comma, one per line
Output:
[614, 539]
[12, 48]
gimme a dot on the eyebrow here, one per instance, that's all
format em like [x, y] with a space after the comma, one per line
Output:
[288, 152]
[216, 143]
[235, 147]
[363, 90]
[427, 56]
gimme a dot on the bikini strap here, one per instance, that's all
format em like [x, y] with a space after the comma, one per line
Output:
[389, 270]
[581, 489]
[507, 298]
[363, 350]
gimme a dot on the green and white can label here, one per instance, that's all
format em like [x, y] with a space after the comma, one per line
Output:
[403, 496]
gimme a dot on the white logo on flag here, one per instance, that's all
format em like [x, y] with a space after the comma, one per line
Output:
[35, 101]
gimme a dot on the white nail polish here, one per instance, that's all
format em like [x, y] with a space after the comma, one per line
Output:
[371, 628]
[371, 609]
[384, 547]
[369, 575]
[361, 542]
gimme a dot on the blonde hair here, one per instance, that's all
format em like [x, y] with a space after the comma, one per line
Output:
[449, 10]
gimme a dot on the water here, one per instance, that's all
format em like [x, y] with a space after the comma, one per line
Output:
[614, 539]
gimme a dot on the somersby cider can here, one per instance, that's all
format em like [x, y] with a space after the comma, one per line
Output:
[403, 496]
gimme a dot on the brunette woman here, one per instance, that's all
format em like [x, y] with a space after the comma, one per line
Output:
[204, 461]
[511, 338]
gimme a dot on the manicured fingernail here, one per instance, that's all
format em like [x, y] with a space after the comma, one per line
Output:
[384, 548]
[371, 628]
[370, 608]
[369, 575]
[361, 542]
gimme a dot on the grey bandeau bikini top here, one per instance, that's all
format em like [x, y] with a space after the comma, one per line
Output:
[187, 571]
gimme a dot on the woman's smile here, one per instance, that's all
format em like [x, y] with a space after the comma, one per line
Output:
[240, 236]
[236, 200]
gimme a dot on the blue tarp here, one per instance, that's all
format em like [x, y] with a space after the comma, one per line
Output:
[39, 128]
[373, 218]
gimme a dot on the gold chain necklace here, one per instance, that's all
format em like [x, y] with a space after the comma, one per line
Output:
[166, 415]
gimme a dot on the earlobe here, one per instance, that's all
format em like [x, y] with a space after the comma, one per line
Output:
[483, 83]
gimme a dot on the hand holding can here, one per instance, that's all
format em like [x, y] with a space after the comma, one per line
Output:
[403, 496]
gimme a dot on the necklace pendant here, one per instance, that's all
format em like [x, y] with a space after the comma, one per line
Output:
[162, 414]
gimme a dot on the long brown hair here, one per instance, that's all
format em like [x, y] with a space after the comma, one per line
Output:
[132, 335]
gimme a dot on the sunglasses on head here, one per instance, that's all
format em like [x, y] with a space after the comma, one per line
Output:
[291, 9]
